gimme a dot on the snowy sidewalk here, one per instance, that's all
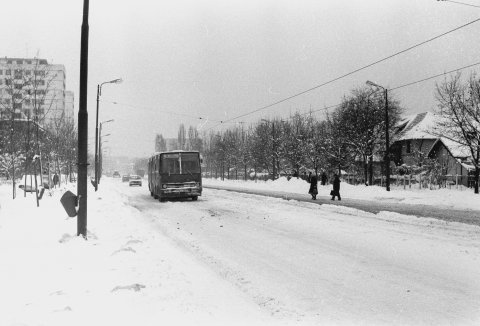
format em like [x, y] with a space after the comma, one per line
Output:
[448, 205]
[125, 274]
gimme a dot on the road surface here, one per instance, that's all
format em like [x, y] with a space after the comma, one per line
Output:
[326, 264]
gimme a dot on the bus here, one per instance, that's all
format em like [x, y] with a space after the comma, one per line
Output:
[175, 174]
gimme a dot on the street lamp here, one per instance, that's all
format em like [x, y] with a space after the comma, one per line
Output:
[98, 143]
[99, 93]
[387, 140]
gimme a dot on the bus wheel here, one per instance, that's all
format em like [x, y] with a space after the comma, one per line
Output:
[155, 196]
[194, 198]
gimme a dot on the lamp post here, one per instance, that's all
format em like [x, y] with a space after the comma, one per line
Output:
[97, 143]
[99, 93]
[387, 140]
[83, 128]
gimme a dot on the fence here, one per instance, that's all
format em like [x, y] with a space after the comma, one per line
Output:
[417, 181]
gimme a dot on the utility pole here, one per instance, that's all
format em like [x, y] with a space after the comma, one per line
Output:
[387, 144]
[387, 138]
[96, 140]
[83, 128]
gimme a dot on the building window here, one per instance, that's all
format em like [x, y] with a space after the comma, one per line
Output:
[28, 72]
[1, 72]
[18, 86]
[8, 72]
[17, 106]
[9, 62]
[409, 147]
[19, 62]
[29, 62]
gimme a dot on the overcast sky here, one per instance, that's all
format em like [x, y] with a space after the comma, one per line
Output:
[182, 60]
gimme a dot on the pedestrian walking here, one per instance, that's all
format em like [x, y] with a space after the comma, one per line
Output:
[324, 178]
[313, 191]
[336, 187]
[55, 180]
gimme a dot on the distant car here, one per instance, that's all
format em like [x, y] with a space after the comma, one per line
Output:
[116, 174]
[125, 178]
[135, 180]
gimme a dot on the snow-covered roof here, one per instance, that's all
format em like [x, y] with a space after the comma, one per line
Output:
[420, 126]
[455, 148]
[416, 126]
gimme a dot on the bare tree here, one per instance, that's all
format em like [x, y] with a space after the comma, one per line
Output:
[294, 139]
[182, 138]
[363, 124]
[26, 92]
[160, 143]
[194, 140]
[459, 109]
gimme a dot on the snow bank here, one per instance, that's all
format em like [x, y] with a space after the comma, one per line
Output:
[452, 198]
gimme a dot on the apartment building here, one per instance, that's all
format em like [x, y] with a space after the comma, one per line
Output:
[31, 87]
[69, 105]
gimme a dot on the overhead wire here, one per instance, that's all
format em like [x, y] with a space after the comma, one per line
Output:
[163, 111]
[461, 3]
[348, 74]
[399, 87]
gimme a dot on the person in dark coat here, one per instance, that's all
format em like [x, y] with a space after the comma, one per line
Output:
[313, 187]
[336, 187]
[55, 179]
[324, 178]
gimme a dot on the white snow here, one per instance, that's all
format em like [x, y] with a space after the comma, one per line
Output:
[125, 274]
[459, 198]
[236, 259]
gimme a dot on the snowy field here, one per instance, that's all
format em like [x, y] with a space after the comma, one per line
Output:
[461, 198]
[233, 260]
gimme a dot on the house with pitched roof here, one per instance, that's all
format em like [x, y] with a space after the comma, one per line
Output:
[414, 136]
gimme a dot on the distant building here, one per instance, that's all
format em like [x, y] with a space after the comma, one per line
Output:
[414, 135]
[29, 83]
[69, 105]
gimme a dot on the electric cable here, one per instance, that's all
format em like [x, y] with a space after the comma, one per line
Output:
[348, 74]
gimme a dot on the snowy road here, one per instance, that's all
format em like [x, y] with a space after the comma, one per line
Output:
[327, 264]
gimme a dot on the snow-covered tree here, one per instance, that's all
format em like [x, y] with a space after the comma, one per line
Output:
[459, 109]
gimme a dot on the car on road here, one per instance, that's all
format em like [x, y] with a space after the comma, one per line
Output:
[125, 178]
[116, 174]
[135, 180]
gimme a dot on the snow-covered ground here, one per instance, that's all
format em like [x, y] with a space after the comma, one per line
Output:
[125, 274]
[458, 198]
[232, 259]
